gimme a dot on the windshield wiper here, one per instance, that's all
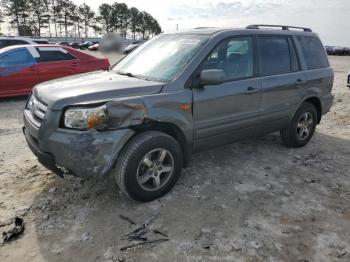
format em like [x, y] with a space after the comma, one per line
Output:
[126, 74]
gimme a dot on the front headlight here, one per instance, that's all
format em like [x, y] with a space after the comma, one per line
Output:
[84, 118]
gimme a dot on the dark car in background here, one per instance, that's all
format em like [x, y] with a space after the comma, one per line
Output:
[74, 45]
[337, 50]
[87, 44]
[133, 46]
[63, 43]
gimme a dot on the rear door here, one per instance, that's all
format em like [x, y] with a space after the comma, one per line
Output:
[228, 111]
[280, 81]
[18, 72]
[56, 62]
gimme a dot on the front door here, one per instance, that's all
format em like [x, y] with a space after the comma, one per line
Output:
[228, 111]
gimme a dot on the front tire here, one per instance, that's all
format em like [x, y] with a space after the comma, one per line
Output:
[149, 166]
[302, 127]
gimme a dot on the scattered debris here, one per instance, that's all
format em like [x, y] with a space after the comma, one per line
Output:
[139, 234]
[132, 222]
[22, 211]
[342, 254]
[144, 243]
[160, 233]
[136, 233]
[287, 193]
[85, 237]
[51, 190]
[16, 231]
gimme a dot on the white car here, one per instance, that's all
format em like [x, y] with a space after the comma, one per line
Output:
[8, 41]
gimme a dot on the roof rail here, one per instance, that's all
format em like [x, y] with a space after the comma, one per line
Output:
[204, 27]
[283, 27]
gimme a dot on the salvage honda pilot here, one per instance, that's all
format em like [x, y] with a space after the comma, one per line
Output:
[175, 95]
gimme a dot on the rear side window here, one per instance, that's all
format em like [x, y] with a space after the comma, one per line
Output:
[275, 56]
[16, 58]
[313, 51]
[53, 56]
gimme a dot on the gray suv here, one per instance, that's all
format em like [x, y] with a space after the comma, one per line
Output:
[175, 95]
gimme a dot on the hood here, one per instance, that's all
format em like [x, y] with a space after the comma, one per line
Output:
[92, 87]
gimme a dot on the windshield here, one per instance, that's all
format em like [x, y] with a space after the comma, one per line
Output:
[161, 58]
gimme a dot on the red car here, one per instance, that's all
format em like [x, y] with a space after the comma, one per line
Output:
[23, 66]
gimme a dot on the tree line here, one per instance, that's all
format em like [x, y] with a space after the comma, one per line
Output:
[64, 18]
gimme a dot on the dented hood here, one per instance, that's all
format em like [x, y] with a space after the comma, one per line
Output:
[92, 87]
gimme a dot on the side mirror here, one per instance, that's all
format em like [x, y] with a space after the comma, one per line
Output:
[212, 77]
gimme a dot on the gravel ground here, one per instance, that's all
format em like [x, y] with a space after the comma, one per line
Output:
[255, 200]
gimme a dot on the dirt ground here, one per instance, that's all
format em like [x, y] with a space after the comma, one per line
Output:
[255, 200]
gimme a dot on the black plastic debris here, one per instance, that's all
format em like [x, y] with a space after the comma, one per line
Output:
[14, 232]
[140, 234]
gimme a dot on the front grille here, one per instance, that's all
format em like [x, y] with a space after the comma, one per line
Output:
[348, 79]
[35, 111]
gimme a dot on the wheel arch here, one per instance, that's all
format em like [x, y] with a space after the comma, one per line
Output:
[171, 130]
[317, 104]
[312, 95]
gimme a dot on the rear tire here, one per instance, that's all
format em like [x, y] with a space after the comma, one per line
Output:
[149, 165]
[302, 127]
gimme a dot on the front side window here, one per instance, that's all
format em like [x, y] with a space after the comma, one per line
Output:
[274, 55]
[161, 58]
[234, 56]
[53, 55]
[16, 58]
[313, 51]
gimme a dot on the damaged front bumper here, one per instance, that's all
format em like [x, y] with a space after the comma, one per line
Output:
[81, 153]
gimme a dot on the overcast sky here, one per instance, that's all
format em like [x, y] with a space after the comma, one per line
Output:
[329, 18]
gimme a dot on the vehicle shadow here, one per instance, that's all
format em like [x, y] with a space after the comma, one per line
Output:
[13, 99]
[237, 193]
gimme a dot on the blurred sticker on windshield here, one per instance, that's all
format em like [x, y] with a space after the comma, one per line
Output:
[189, 41]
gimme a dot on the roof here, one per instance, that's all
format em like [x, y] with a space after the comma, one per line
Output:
[22, 38]
[270, 29]
[12, 47]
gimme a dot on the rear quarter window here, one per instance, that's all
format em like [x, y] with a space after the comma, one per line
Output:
[313, 52]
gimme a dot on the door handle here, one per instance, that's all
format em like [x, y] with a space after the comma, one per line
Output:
[74, 64]
[300, 82]
[32, 67]
[250, 90]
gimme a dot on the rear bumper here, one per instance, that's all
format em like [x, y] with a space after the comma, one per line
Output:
[327, 102]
